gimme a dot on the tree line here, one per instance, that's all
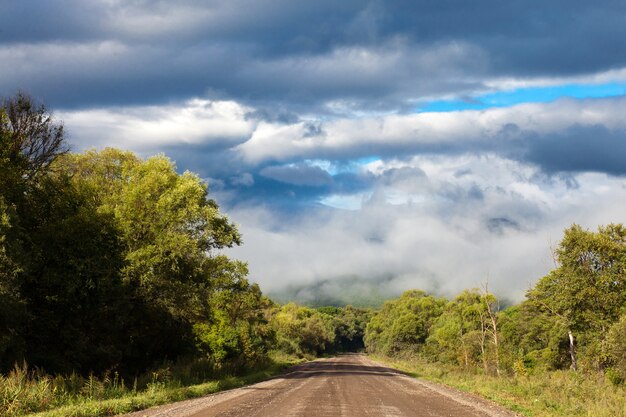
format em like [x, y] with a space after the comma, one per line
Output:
[112, 262]
[574, 317]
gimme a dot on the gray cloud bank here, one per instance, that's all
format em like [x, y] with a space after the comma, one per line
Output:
[323, 56]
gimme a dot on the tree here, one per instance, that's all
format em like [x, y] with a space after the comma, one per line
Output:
[489, 323]
[109, 261]
[12, 314]
[350, 324]
[168, 225]
[236, 327]
[302, 330]
[615, 350]
[70, 281]
[403, 324]
[467, 331]
[30, 139]
[587, 290]
[184, 297]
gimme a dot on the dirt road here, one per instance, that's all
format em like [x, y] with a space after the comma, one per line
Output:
[345, 386]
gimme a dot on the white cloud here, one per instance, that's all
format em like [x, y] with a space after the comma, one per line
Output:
[358, 137]
[441, 243]
[149, 128]
[617, 75]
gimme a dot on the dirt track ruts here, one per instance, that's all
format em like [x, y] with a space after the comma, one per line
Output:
[344, 386]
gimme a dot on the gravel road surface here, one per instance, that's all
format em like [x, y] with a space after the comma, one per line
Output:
[344, 386]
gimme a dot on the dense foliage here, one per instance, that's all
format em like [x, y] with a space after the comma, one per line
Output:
[306, 331]
[573, 318]
[109, 262]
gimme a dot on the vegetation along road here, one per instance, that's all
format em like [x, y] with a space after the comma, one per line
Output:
[346, 386]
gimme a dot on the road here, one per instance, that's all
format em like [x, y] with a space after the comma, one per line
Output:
[344, 386]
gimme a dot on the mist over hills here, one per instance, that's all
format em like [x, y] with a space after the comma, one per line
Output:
[356, 291]
[353, 290]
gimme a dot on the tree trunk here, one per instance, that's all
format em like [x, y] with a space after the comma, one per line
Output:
[572, 353]
[464, 350]
[496, 343]
[483, 336]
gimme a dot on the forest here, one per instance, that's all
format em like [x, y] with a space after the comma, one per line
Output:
[113, 281]
[111, 265]
[573, 318]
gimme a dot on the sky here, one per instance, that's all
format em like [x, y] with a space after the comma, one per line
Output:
[362, 147]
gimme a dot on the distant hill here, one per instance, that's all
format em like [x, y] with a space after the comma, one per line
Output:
[356, 291]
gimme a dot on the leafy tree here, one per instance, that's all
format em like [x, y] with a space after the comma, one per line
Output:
[70, 281]
[456, 333]
[350, 324]
[615, 350]
[107, 260]
[169, 230]
[302, 330]
[467, 332]
[587, 290]
[403, 324]
[30, 140]
[12, 312]
[168, 225]
[236, 328]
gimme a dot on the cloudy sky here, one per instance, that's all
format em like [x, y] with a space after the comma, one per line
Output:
[384, 144]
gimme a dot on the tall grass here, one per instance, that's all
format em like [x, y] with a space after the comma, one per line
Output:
[543, 394]
[25, 391]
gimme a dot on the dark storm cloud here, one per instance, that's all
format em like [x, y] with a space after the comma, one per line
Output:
[300, 174]
[580, 149]
[207, 161]
[290, 190]
[499, 225]
[299, 55]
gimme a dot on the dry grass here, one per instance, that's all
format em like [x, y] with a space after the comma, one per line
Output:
[548, 394]
[32, 392]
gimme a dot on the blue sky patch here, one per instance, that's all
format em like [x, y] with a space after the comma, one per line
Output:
[527, 95]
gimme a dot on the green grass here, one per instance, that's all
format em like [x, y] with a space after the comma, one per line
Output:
[32, 393]
[547, 394]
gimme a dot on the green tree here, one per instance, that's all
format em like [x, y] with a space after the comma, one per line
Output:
[12, 313]
[70, 281]
[236, 326]
[587, 290]
[168, 225]
[615, 351]
[403, 324]
[302, 330]
[350, 324]
[184, 296]
[467, 333]
[30, 140]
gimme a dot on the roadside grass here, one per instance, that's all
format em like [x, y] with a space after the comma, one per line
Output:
[546, 394]
[26, 392]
